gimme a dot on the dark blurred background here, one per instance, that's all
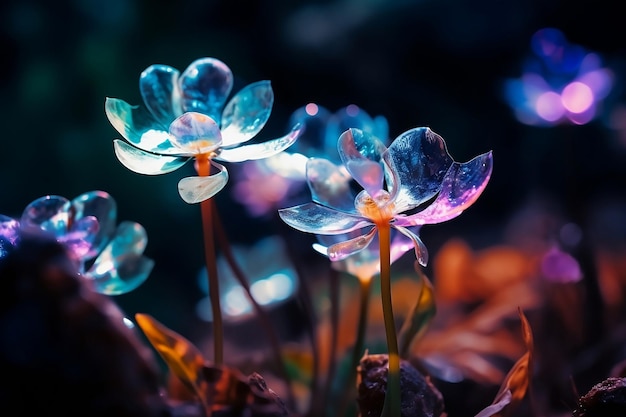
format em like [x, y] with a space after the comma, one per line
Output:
[441, 64]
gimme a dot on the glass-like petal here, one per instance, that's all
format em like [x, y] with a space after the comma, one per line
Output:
[50, 213]
[314, 142]
[353, 116]
[80, 239]
[195, 133]
[313, 218]
[260, 150]
[205, 86]
[361, 154]
[144, 162]
[421, 252]
[120, 267]
[103, 207]
[9, 234]
[342, 250]
[461, 187]
[330, 185]
[139, 127]
[246, 113]
[198, 189]
[159, 89]
[420, 160]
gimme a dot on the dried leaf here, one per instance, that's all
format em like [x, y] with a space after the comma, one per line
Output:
[517, 381]
[181, 356]
[420, 316]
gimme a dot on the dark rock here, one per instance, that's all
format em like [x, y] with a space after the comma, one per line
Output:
[605, 399]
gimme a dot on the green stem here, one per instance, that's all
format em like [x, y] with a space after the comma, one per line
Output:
[365, 285]
[391, 408]
[204, 169]
[260, 312]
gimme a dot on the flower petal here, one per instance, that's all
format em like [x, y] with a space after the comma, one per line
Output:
[197, 189]
[9, 230]
[50, 213]
[195, 133]
[416, 163]
[103, 207]
[361, 153]
[159, 90]
[260, 150]
[138, 126]
[330, 185]
[421, 252]
[144, 162]
[342, 250]
[205, 86]
[461, 187]
[81, 236]
[246, 113]
[120, 267]
[314, 218]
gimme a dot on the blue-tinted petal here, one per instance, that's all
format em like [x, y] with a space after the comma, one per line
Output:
[353, 116]
[260, 150]
[361, 154]
[50, 213]
[313, 142]
[420, 160]
[195, 133]
[330, 185]
[246, 113]
[461, 187]
[144, 162]
[342, 250]
[421, 252]
[103, 207]
[159, 88]
[120, 267]
[197, 189]
[138, 126]
[205, 86]
[81, 236]
[313, 218]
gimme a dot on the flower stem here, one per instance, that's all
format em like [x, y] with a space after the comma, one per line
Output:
[391, 407]
[365, 285]
[203, 166]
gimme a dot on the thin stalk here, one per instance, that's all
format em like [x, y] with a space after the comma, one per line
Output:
[203, 167]
[391, 407]
[365, 285]
[334, 330]
[262, 315]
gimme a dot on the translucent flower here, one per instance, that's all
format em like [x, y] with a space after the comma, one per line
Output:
[186, 116]
[109, 255]
[412, 183]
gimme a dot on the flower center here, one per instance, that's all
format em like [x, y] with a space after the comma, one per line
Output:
[379, 209]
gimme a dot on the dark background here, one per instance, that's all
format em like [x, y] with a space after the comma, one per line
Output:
[419, 63]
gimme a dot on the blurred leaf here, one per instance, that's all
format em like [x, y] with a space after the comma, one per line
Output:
[517, 381]
[420, 316]
[181, 356]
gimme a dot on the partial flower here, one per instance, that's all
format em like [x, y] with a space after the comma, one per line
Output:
[411, 183]
[278, 181]
[108, 254]
[186, 116]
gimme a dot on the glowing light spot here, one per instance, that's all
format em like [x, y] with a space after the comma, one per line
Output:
[128, 323]
[236, 302]
[352, 110]
[577, 97]
[311, 109]
[549, 106]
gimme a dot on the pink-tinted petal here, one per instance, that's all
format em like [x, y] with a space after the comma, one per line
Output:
[146, 163]
[159, 89]
[361, 153]
[260, 150]
[197, 189]
[195, 133]
[246, 113]
[421, 252]
[314, 218]
[330, 185]
[205, 86]
[139, 127]
[103, 207]
[419, 160]
[344, 249]
[79, 240]
[461, 187]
